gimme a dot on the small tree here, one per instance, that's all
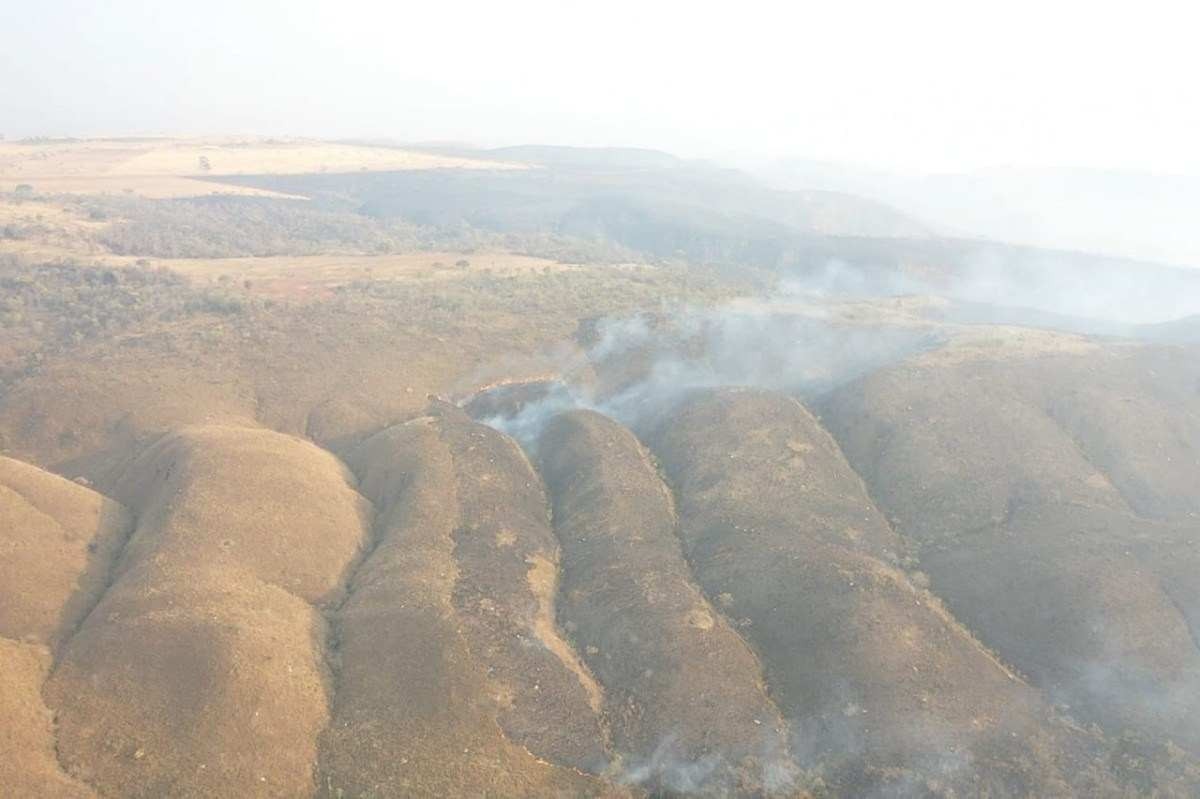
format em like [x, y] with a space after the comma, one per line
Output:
[205, 164]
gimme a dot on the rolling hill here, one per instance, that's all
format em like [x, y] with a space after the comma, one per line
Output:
[607, 475]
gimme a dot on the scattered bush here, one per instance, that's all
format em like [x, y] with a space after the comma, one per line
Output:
[227, 227]
[54, 306]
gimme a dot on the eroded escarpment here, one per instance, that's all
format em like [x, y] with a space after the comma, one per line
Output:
[437, 692]
[882, 687]
[202, 670]
[1051, 498]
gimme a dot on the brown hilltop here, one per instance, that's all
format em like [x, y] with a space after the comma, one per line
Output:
[451, 677]
[507, 557]
[1055, 521]
[1134, 412]
[684, 695]
[202, 671]
[876, 678]
[227, 497]
[57, 540]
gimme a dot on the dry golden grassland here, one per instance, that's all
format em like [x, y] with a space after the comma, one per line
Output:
[166, 167]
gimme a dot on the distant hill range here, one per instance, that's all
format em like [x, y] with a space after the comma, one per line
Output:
[662, 207]
[1131, 214]
[604, 192]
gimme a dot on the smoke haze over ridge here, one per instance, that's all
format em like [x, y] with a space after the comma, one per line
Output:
[924, 87]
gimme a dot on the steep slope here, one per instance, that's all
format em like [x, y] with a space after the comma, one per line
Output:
[1049, 485]
[28, 766]
[507, 557]
[1134, 412]
[57, 541]
[202, 670]
[881, 684]
[684, 695]
[452, 680]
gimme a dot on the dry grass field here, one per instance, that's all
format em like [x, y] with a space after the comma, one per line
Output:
[167, 167]
[305, 498]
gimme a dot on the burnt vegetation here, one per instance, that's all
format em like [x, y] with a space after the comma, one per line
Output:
[707, 503]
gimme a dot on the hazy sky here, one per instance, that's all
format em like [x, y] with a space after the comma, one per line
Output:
[914, 85]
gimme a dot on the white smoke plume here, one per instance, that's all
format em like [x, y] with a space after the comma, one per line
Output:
[769, 344]
[831, 325]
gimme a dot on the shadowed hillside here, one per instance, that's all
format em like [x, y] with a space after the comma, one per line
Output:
[878, 680]
[59, 540]
[696, 212]
[436, 695]
[684, 695]
[174, 685]
[1044, 491]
